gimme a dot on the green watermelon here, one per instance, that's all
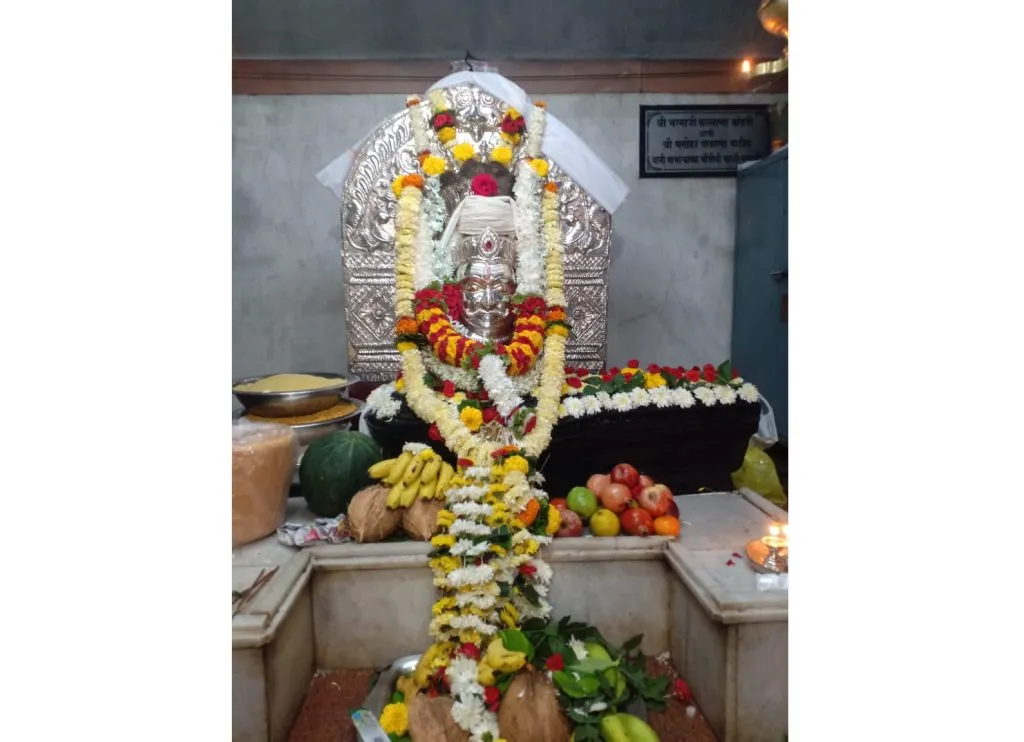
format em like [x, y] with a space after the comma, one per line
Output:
[334, 468]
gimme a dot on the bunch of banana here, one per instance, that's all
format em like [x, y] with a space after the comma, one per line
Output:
[411, 475]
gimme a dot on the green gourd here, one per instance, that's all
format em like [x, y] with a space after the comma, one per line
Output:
[334, 468]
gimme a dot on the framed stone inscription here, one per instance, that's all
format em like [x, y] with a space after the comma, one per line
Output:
[695, 141]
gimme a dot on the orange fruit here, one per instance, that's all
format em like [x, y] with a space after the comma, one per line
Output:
[666, 525]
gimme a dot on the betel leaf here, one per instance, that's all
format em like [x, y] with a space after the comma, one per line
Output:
[581, 687]
[592, 664]
[516, 641]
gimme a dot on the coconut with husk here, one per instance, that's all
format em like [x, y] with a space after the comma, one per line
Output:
[530, 711]
[420, 519]
[430, 720]
[369, 518]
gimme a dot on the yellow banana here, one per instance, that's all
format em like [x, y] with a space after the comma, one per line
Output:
[398, 469]
[412, 474]
[431, 470]
[409, 493]
[447, 472]
[381, 468]
[428, 490]
[395, 496]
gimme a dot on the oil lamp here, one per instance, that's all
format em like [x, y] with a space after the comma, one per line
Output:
[771, 553]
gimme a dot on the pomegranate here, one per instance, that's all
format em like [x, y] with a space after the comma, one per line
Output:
[572, 525]
[625, 474]
[646, 481]
[598, 482]
[637, 522]
[655, 499]
[560, 502]
[634, 492]
[673, 509]
[615, 497]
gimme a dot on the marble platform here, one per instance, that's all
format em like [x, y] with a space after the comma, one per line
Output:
[361, 605]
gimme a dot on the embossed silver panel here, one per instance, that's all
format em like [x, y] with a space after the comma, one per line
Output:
[368, 250]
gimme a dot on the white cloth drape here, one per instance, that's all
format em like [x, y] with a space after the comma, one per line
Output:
[560, 144]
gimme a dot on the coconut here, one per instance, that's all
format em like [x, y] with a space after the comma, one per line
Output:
[420, 518]
[430, 720]
[369, 518]
[530, 711]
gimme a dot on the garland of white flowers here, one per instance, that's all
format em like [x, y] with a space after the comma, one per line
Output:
[529, 276]
[576, 405]
[381, 403]
[499, 387]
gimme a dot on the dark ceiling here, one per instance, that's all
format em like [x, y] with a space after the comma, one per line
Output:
[505, 30]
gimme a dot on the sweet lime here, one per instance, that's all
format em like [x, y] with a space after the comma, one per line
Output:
[582, 501]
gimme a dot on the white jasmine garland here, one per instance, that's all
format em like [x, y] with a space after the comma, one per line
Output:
[381, 403]
[529, 260]
[415, 448]
[472, 509]
[418, 126]
[535, 131]
[498, 386]
[472, 575]
[467, 493]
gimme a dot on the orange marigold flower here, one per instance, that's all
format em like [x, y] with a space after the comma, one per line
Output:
[406, 326]
[530, 512]
[415, 180]
[422, 156]
[412, 100]
[541, 104]
[551, 187]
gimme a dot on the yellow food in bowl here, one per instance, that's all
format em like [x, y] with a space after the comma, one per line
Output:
[288, 383]
[339, 410]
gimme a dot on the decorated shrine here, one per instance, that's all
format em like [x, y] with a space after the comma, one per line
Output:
[488, 444]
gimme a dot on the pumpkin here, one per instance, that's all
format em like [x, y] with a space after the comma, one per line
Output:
[334, 468]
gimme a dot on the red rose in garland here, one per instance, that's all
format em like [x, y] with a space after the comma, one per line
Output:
[709, 372]
[693, 374]
[513, 125]
[443, 119]
[453, 298]
[484, 184]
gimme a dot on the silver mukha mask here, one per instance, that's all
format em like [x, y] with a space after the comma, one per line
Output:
[485, 273]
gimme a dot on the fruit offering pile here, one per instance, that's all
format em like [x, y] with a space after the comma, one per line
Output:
[623, 501]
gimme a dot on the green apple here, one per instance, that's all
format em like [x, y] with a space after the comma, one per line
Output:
[582, 501]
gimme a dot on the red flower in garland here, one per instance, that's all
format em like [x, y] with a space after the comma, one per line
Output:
[693, 374]
[735, 374]
[442, 120]
[465, 463]
[606, 376]
[653, 368]
[492, 697]
[453, 298]
[555, 663]
[582, 372]
[530, 424]
[448, 389]
[527, 570]
[470, 650]
[490, 414]
[682, 691]
[633, 363]
[709, 372]
[433, 433]
[484, 184]
[511, 125]
[574, 382]
[532, 305]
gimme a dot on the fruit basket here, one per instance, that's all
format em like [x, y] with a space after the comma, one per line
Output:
[686, 449]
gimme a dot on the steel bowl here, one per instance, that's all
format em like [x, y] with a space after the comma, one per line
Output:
[291, 404]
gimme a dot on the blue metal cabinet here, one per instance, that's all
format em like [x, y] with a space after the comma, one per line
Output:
[760, 343]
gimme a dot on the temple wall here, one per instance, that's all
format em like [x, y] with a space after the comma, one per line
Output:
[672, 251]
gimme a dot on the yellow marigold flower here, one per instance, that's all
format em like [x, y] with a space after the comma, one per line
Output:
[540, 166]
[446, 134]
[497, 473]
[443, 541]
[508, 620]
[397, 185]
[512, 112]
[558, 330]
[406, 346]
[471, 417]
[554, 520]
[463, 152]
[470, 636]
[628, 372]
[502, 155]
[499, 550]
[433, 165]
[400, 385]
[444, 564]
[394, 719]
[444, 604]
[517, 463]
[653, 381]
[445, 518]
[517, 524]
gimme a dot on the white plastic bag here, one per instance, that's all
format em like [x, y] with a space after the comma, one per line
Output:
[767, 434]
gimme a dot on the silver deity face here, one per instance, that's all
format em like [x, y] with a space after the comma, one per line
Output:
[487, 291]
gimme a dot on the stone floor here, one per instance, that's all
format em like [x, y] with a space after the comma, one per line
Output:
[332, 696]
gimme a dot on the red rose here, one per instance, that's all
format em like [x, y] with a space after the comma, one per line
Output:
[709, 372]
[475, 361]
[433, 433]
[568, 370]
[448, 389]
[614, 370]
[735, 374]
[574, 382]
[532, 305]
[555, 663]
[500, 349]
[470, 650]
[490, 414]
[606, 376]
[442, 120]
[693, 375]
[453, 299]
[653, 368]
[633, 363]
[484, 184]
[483, 396]
[513, 125]
[527, 569]
[682, 691]
[530, 424]
[582, 372]
[464, 463]
[492, 697]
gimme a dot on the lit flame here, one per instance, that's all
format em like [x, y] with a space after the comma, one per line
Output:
[773, 530]
[745, 67]
[785, 530]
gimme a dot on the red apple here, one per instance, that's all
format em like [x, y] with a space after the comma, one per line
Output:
[615, 497]
[560, 502]
[645, 481]
[572, 524]
[598, 482]
[625, 474]
[637, 522]
[673, 509]
[655, 499]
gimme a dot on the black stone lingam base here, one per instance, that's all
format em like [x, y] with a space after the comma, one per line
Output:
[685, 449]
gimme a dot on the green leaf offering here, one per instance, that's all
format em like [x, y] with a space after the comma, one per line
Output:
[592, 664]
[582, 687]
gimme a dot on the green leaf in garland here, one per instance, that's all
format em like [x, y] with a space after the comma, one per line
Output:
[530, 594]
[723, 374]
